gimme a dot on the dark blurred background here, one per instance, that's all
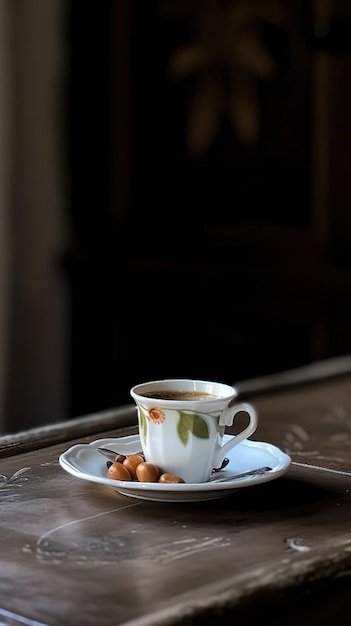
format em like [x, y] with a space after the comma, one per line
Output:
[175, 195]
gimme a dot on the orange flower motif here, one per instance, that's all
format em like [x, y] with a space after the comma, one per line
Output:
[157, 415]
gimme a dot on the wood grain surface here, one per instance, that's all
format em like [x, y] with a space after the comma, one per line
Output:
[77, 553]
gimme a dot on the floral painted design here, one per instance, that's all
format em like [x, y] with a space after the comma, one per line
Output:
[157, 415]
[16, 479]
[191, 423]
[188, 423]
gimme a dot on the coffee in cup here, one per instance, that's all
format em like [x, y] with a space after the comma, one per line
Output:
[182, 423]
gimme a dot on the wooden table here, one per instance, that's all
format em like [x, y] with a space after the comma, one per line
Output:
[77, 553]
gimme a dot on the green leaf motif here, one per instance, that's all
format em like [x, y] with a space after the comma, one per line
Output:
[185, 426]
[142, 424]
[191, 423]
[200, 428]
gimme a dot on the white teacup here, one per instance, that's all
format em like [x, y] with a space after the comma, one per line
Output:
[182, 423]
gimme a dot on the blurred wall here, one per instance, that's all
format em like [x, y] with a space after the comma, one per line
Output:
[169, 200]
[4, 197]
[33, 316]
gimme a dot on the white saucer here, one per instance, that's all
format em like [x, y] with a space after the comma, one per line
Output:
[84, 461]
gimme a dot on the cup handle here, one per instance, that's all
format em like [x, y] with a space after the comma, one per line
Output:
[244, 434]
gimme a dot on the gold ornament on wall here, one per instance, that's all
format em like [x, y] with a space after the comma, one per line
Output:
[226, 58]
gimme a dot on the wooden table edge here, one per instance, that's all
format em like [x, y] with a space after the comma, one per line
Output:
[125, 416]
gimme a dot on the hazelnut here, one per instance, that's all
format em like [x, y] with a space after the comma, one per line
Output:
[117, 471]
[147, 472]
[170, 478]
[120, 458]
[131, 462]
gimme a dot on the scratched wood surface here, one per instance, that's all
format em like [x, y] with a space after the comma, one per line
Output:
[77, 553]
